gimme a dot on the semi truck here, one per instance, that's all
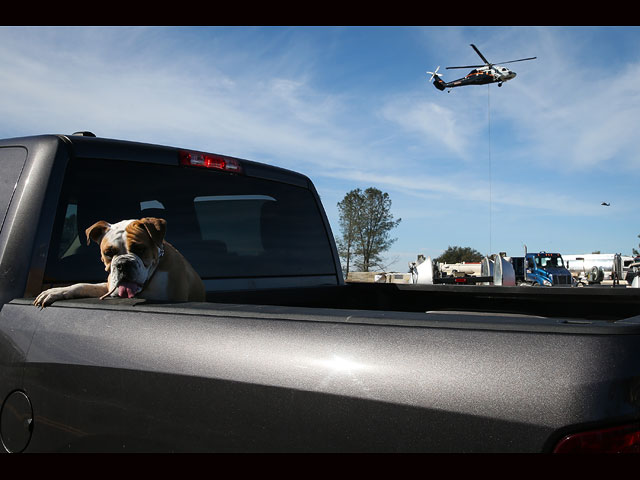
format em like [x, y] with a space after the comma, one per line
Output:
[542, 268]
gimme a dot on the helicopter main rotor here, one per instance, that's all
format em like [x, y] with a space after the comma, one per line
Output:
[487, 63]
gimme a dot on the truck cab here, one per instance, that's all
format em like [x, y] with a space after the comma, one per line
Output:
[546, 269]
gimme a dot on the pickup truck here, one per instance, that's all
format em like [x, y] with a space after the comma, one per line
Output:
[283, 356]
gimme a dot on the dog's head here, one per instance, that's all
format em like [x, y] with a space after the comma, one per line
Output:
[130, 251]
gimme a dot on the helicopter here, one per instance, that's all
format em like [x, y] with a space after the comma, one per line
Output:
[480, 75]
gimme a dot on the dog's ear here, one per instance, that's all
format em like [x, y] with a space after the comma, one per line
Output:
[156, 228]
[96, 231]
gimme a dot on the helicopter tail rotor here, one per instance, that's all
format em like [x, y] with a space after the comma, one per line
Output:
[435, 74]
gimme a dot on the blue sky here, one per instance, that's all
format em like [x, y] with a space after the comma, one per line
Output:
[351, 107]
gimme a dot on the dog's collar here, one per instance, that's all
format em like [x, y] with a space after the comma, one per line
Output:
[155, 265]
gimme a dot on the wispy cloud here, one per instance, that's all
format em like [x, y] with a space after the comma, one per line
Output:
[179, 100]
[261, 94]
[436, 123]
[574, 113]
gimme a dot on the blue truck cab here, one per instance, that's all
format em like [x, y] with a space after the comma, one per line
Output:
[546, 269]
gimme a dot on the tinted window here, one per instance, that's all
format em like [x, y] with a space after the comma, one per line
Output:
[226, 225]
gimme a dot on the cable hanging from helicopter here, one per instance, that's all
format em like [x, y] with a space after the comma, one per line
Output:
[480, 75]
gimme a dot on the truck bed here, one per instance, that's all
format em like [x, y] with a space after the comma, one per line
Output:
[239, 377]
[588, 303]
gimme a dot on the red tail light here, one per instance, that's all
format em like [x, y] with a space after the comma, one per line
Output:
[623, 439]
[206, 160]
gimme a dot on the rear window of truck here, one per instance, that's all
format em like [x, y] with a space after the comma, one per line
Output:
[226, 225]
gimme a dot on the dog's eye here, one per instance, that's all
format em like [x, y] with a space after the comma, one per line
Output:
[110, 252]
[137, 250]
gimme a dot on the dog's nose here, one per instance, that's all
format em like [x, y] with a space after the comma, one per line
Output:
[124, 267]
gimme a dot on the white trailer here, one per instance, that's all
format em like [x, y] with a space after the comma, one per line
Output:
[596, 267]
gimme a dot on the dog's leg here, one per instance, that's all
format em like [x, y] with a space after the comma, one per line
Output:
[79, 290]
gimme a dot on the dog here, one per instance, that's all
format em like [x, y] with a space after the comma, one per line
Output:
[140, 263]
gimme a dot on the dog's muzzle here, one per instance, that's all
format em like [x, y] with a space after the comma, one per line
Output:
[125, 272]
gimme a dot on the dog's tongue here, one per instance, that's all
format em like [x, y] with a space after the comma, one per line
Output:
[128, 289]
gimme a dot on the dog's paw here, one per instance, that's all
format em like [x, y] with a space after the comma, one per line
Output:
[47, 297]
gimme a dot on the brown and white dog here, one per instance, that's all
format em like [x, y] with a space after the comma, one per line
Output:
[140, 264]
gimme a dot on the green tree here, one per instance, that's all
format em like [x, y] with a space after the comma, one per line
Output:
[350, 208]
[459, 254]
[365, 222]
[636, 252]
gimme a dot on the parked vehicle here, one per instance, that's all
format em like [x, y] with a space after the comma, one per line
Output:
[283, 355]
[596, 267]
[424, 271]
[633, 272]
[543, 269]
